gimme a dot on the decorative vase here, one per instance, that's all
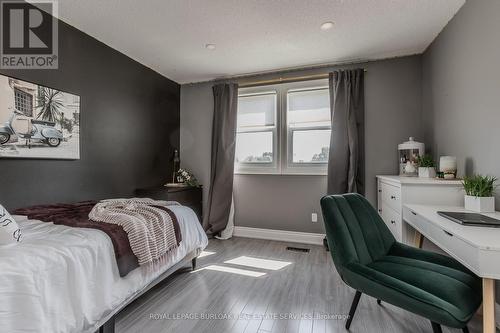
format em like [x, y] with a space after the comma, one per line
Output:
[426, 172]
[480, 204]
[448, 166]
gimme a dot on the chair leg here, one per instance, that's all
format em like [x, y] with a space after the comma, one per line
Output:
[465, 329]
[193, 262]
[108, 327]
[436, 328]
[354, 305]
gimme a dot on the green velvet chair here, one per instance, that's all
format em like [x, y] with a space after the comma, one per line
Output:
[369, 259]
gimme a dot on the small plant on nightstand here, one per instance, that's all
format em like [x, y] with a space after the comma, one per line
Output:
[186, 177]
[479, 193]
[426, 167]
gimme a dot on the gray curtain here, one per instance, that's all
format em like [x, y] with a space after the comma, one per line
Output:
[347, 152]
[223, 147]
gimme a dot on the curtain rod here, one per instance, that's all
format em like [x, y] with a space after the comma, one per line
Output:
[286, 79]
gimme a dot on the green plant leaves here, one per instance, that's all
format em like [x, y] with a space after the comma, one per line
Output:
[426, 161]
[479, 186]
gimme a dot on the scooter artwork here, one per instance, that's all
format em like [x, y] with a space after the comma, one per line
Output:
[39, 131]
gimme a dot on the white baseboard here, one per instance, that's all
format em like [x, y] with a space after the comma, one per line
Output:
[279, 235]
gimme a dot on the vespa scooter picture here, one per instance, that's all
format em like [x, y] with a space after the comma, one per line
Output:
[38, 122]
[36, 131]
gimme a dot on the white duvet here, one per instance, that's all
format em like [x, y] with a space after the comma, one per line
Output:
[62, 279]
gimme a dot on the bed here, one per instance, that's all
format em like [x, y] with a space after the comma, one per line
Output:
[65, 279]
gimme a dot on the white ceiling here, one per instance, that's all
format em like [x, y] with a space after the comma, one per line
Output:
[253, 36]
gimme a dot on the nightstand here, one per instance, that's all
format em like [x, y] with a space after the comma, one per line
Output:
[186, 196]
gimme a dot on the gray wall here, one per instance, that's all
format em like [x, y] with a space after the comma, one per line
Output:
[461, 87]
[393, 112]
[129, 127]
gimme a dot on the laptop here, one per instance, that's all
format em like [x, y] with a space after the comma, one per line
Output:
[471, 219]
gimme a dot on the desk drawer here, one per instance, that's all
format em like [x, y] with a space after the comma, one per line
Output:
[445, 239]
[415, 220]
[454, 246]
[391, 195]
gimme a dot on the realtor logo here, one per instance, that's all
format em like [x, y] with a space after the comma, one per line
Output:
[28, 34]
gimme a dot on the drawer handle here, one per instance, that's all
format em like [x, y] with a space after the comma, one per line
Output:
[393, 222]
[393, 197]
[414, 213]
[448, 233]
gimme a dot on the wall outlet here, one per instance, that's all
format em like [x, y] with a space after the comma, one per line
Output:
[314, 217]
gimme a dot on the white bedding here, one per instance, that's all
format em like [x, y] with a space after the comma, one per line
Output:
[63, 279]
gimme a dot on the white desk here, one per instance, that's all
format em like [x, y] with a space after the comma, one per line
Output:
[477, 248]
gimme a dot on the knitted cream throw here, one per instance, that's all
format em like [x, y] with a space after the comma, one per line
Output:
[150, 229]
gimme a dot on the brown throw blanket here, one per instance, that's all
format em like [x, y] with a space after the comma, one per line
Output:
[76, 215]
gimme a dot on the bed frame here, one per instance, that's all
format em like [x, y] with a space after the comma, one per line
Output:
[107, 323]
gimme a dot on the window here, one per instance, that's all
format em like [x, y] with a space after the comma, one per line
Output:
[23, 102]
[309, 128]
[284, 128]
[256, 135]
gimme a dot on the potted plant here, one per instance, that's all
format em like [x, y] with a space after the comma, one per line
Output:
[186, 177]
[426, 167]
[479, 193]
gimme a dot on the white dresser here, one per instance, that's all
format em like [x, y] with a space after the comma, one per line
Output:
[396, 191]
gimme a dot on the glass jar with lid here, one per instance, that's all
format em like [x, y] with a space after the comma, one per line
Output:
[409, 152]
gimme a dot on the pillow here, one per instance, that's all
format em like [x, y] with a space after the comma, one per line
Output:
[9, 230]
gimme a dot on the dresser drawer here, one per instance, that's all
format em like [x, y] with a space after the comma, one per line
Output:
[393, 221]
[391, 195]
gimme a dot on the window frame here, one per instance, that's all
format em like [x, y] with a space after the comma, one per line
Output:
[290, 167]
[23, 102]
[262, 168]
[282, 136]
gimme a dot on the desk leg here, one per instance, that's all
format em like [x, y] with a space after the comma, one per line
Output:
[488, 306]
[419, 239]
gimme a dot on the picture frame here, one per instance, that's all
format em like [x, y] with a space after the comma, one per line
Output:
[38, 122]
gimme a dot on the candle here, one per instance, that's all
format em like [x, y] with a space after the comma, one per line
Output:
[448, 166]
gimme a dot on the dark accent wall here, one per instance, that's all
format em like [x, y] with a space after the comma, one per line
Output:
[129, 127]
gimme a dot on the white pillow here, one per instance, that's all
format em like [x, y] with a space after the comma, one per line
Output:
[9, 230]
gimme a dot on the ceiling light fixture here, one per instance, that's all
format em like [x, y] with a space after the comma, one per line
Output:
[326, 26]
[210, 46]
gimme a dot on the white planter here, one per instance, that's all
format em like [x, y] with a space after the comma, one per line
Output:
[427, 172]
[480, 204]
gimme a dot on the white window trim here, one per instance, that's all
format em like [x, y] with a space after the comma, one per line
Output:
[263, 168]
[282, 142]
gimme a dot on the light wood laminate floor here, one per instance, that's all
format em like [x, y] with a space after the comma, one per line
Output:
[257, 296]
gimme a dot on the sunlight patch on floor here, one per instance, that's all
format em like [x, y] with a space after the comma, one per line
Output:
[273, 265]
[205, 254]
[231, 270]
